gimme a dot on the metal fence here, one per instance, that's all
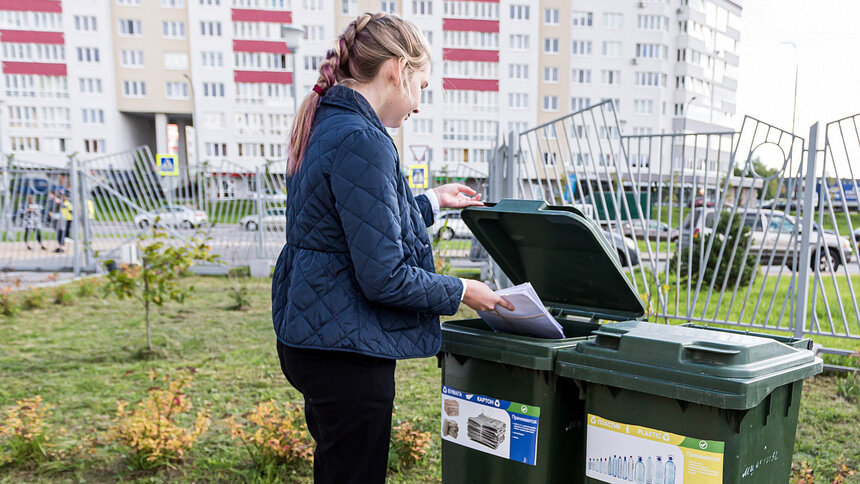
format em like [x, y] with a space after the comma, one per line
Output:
[687, 213]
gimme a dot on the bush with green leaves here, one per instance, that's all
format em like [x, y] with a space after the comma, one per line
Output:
[156, 279]
[709, 256]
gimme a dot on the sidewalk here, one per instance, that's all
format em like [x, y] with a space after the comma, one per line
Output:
[25, 280]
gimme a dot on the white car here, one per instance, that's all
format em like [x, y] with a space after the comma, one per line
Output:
[449, 225]
[172, 216]
[273, 219]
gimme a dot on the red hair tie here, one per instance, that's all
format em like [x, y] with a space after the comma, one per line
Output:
[318, 90]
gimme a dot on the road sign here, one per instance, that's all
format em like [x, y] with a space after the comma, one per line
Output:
[168, 165]
[418, 176]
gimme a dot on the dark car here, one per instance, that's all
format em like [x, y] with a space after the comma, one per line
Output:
[857, 238]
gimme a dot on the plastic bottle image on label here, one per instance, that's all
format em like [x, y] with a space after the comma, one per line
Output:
[640, 471]
[649, 469]
[670, 471]
[658, 471]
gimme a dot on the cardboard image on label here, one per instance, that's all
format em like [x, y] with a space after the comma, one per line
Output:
[487, 424]
[621, 453]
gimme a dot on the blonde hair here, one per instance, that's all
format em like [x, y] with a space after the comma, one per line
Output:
[358, 54]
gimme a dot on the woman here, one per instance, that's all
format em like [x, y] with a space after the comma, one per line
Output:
[33, 222]
[354, 287]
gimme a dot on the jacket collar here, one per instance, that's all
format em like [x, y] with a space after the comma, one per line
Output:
[342, 96]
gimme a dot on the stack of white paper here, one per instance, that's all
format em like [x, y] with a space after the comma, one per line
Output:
[529, 316]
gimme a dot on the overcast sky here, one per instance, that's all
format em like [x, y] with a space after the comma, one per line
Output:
[827, 34]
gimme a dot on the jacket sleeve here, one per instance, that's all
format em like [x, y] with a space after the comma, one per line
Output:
[426, 209]
[364, 186]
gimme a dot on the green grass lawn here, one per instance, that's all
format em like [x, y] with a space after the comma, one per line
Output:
[82, 358]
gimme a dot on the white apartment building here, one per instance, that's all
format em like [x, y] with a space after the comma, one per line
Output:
[103, 76]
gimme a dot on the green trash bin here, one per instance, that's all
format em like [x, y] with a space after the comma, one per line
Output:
[674, 404]
[506, 416]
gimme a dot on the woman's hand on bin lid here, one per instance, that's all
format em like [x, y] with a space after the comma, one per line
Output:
[480, 297]
[456, 195]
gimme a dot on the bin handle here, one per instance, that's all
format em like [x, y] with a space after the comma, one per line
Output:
[712, 350]
[601, 341]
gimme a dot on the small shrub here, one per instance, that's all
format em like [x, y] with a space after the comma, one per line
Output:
[408, 445]
[62, 296]
[743, 269]
[848, 387]
[9, 305]
[24, 435]
[238, 293]
[34, 298]
[152, 433]
[276, 435]
[88, 287]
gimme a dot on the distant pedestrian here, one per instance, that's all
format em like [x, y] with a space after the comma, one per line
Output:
[64, 224]
[33, 222]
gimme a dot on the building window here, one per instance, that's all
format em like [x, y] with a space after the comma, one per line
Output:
[550, 74]
[611, 78]
[216, 149]
[579, 103]
[212, 59]
[85, 23]
[210, 2]
[314, 32]
[349, 7]
[94, 146]
[518, 71]
[388, 6]
[550, 16]
[519, 12]
[581, 47]
[422, 7]
[519, 41]
[550, 45]
[128, 3]
[130, 28]
[652, 22]
[580, 76]
[133, 89]
[427, 96]
[612, 49]
[210, 28]
[654, 51]
[173, 29]
[90, 85]
[651, 79]
[88, 55]
[131, 58]
[213, 89]
[421, 126]
[312, 5]
[643, 106]
[176, 90]
[550, 103]
[92, 116]
[518, 100]
[582, 19]
[173, 3]
[613, 21]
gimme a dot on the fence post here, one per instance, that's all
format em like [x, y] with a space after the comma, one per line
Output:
[260, 191]
[7, 197]
[800, 314]
[78, 211]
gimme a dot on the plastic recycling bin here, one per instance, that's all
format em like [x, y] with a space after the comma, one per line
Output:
[674, 404]
[506, 416]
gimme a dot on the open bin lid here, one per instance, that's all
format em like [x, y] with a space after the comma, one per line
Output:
[563, 253]
[718, 368]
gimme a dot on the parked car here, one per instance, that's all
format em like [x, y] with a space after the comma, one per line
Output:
[272, 195]
[449, 225]
[857, 238]
[772, 235]
[273, 219]
[652, 230]
[172, 216]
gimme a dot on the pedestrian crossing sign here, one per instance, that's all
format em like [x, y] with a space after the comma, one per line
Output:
[168, 165]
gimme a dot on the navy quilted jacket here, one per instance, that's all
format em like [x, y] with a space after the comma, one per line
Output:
[356, 273]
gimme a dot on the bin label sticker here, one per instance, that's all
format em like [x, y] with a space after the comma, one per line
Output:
[490, 425]
[621, 453]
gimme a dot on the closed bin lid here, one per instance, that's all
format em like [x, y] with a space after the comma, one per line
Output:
[563, 253]
[720, 369]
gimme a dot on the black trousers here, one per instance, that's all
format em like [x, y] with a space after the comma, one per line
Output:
[348, 404]
[38, 233]
[63, 228]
